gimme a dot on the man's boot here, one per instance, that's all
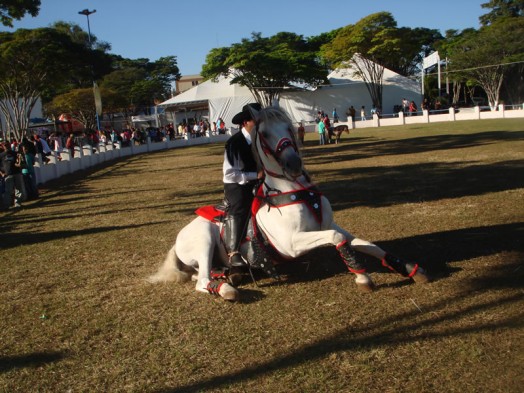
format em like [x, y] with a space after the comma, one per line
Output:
[233, 232]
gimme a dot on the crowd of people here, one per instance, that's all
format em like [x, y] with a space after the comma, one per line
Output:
[17, 157]
[17, 175]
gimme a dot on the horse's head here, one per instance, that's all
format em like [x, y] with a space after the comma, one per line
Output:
[275, 143]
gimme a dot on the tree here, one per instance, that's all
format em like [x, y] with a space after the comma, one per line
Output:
[142, 82]
[80, 105]
[375, 43]
[93, 64]
[16, 9]
[501, 9]
[81, 36]
[415, 44]
[368, 47]
[31, 63]
[267, 66]
[483, 55]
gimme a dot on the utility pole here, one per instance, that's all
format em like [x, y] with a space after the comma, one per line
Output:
[96, 91]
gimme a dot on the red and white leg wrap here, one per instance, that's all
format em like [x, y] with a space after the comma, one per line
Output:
[214, 286]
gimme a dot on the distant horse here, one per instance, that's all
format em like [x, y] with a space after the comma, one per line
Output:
[338, 130]
[290, 215]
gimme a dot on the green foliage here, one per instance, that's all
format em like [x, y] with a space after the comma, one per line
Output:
[80, 104]
[480, 56]
[377, 38]
[139, 83]
[42, 55]
[375, 42]
[267, 65]
[33, 63]
[80, 36]
[373, 37]
[16, 9]
[501, 9]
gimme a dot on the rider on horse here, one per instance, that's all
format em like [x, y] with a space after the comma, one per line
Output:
[240, 176]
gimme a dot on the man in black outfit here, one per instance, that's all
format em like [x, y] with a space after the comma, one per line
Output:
[240, 175]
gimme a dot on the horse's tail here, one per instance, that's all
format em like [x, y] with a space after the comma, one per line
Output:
[170, 270]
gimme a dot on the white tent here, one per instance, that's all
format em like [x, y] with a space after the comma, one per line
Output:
[222, 99]
[346, 90]
[211, 100]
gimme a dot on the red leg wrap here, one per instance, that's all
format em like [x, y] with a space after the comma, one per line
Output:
[214, 286]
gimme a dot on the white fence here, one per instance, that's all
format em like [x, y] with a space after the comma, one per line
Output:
[88, 156]
[475, 113]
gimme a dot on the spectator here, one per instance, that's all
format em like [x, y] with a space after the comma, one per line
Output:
[405, 106]
[335, 116]
[322, 132]
[221, 127]
[28, 149]
[70, 145]
[12, 178]
[56, 142]
[363, 113]
[42, 148]
[301, 132]
[412, 108]
[329, 129]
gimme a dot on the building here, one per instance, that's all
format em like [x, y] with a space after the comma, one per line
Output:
[187, 82]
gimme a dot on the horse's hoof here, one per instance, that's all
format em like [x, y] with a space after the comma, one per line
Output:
[421, 277]
[229, 293]
[364, 283]
[366, 288]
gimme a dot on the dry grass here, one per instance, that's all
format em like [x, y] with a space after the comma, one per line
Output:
[80, 317]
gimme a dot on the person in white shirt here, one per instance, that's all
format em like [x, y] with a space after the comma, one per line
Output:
[240, 175]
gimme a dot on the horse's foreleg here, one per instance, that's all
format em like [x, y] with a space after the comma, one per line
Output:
[305, 241]
[398, 265]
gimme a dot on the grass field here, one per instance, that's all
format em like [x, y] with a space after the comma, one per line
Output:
[78, 315]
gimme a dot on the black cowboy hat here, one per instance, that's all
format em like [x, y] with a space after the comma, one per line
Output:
[246, 115]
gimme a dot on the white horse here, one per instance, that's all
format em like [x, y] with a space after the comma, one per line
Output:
[293, 217]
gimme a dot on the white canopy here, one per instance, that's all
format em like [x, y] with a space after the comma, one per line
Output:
[347, 90]
[218, 99]
[222, 99]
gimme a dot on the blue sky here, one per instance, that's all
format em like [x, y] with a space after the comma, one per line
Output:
[190, 29]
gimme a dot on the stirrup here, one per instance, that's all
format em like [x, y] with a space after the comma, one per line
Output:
[235, 259]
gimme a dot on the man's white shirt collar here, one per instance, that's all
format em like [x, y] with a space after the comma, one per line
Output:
[247, 135]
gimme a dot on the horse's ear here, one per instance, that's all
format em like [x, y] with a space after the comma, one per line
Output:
[254, 113]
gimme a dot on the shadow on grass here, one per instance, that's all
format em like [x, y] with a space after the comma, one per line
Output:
[35, 359]
[435, 252]
[368, 147]
[389, 331]
[12, 240]
[386, 186]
